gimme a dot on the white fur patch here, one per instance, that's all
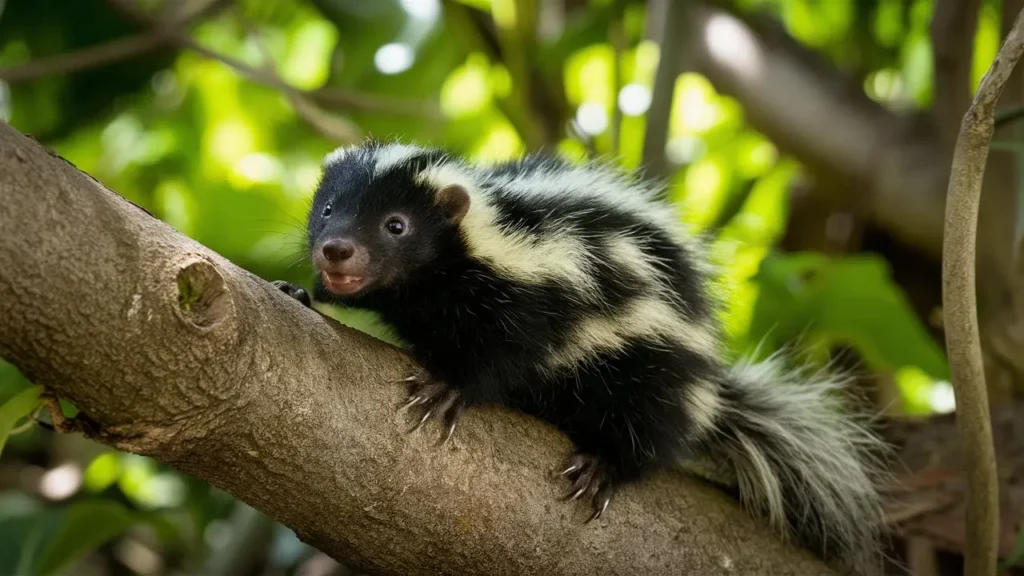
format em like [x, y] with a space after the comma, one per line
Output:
[335, 156]
[596, 182]
[704, 400]
[641, 318]
[626, 251]
[392, 155]
[529, 258]
[612, 188]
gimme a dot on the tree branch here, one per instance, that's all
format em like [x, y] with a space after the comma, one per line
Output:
[174, 34]
[91, 57]
[177, 354]
[119, 49]
[807, 109]
[673, 57]
[619, 43]
[959, 307]
[341, 130]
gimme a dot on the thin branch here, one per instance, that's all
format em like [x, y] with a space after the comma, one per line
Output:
[1009, 115]
[617, 39]
[341, 130]
[535, 105]
[158, 36]
[115, 50]
[671, 62]
[86, 58]
[960, 312]
[173, 12]
[325, 96]
[163, 34]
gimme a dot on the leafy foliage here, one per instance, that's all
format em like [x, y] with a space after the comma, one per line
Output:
[232, 162]
[850, 301]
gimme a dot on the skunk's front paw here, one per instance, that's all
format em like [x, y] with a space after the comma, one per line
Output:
[590, 477]
[434, 400]
[297, 292]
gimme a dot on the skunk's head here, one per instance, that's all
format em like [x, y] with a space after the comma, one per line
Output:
[376, 221]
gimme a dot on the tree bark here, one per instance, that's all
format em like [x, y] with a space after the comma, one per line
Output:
[175, 353]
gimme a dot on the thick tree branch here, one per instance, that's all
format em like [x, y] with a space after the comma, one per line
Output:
[959, 306]
[178, 354]
[808, 110]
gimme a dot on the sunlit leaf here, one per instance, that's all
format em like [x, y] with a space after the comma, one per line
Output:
[851, 301]
[500, 142]
[755, 155]
[915, 388]
[308, 62]
[11, 381]
[703, 190]
[888, 22]
[363, 321]
[103, 471]
[588, 76]
[573, 150]
[986, 42]
[23, 404]
[468, 88]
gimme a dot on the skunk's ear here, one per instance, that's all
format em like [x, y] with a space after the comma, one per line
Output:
[454, 200]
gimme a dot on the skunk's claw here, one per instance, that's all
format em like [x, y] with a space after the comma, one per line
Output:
[437, 401]
[592, 478]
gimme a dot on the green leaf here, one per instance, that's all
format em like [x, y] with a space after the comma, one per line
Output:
[87, 525]
[1016, 557]
[22, 534]
[21, 405]
[11, 381]
[853, 301]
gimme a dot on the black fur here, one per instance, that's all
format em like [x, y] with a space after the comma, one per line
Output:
[481, 333]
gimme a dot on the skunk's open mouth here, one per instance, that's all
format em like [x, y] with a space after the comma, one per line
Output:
[342, 284]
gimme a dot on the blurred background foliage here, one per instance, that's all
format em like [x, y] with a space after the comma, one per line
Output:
[220, 134]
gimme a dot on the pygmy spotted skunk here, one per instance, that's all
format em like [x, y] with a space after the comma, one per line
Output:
[570, 292]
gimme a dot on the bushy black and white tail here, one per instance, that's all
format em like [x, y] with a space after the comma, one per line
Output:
[802, 460]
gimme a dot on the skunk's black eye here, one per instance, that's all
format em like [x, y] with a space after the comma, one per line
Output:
[395, 225]
[327, 211]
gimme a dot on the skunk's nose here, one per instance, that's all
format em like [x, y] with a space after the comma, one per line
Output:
[338, 250]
